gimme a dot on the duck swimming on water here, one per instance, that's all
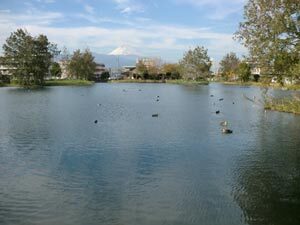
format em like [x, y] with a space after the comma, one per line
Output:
[224, 123]
[226, 131]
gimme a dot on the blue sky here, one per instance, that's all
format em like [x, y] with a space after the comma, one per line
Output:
[161, 28]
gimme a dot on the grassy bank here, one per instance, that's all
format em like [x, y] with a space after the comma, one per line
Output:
[160, 81]
[53, 83]
[260, 84]
[187, 82]
[284, 105]
[68, 83]
[136, 81]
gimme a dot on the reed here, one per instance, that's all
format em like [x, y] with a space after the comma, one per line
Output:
[290, 105]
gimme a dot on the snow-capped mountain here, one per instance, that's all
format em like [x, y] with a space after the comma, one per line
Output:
[124, 50]
[121, 56]
[112, 61]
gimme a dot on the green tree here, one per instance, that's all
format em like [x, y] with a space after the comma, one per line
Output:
[82, 65]
[142, 70]
[229, 65]
[55, 70]
[171, 70]
[141, 67]
[270, 31]
[244, 71]
[28, 57]
[295, 71]
[196, 64]
[104, 76]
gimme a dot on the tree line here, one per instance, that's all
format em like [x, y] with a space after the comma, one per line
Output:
[195, 65]
[270, 31]
[28, 58]
[31, 59]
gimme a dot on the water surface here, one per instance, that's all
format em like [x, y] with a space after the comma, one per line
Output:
[58, 167]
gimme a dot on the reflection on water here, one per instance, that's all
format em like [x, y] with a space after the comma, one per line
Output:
[58, 167]
[267, 184]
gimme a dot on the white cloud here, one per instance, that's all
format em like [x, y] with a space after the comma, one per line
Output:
[152, 40]
[5, 11]
[129, 6]
[126, 10]
[32, 16]
[89, 9]
[46, 1]
[219, 9]
[147, 36]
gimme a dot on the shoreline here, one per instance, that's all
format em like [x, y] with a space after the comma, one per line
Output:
[292, 87]
[53, 83]
[180, 81]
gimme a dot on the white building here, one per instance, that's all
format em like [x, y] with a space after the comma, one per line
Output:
[6, 71]
[64, 72]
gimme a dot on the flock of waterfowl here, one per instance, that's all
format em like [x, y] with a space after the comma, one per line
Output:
[223, 124]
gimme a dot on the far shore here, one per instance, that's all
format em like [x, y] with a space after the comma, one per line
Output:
[50, 83]
[179, 81]
[77, 82]
[291, 105]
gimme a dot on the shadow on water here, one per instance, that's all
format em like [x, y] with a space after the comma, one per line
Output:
[267, 177]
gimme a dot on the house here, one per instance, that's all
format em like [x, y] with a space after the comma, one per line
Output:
[128, 71]
[100, 70]
[5, 74]
[64, 72]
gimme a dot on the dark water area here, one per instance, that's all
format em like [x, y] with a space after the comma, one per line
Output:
[59, 167]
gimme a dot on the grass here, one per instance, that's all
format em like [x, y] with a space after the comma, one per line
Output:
[53, 83]
[68, 83]
[136, 81]
[181, 81]
[262, 84]
[290, 105]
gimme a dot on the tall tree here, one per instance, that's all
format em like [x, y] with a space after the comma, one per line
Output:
[270, 31]
[244, 71]
[229, 65]
[28, 57]
[196, 64]
[82, 65]
[55, 70]
[142, 70]
[171, 70]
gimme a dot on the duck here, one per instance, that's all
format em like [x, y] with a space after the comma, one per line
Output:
[154, 115]
[221, 99]
[224, 123]
[217, 112]
[227, 131]
[96, 121]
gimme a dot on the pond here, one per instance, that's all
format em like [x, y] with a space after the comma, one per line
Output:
[57, 166]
